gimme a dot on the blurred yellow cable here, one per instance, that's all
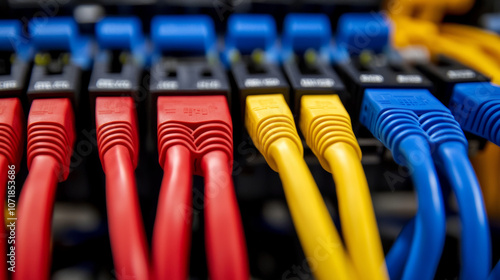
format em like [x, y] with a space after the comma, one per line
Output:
[489, 42]
[417, 32]
[430, 10]
[486, 164]
[326, 126]
[272, 129]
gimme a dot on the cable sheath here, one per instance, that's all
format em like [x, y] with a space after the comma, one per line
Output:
[356, 211]
[172, 230]
[225, 242]
[430, 227]
[126, 230]
[33, 237]
[475, 249]
[317, 234]
[400, 249]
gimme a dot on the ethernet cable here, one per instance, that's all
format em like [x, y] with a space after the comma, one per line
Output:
[270, 124]
[194, 136]
[433, 11]
[11, 149]
[485, 163]
[451, 157]
[51, 135]
[495, 274]
[446, 138]
[474, 99]
[392, 117]
[326, 126]
[50, 140]
[118, 145]
[12, 126]
[172, 228]
[118, 141]
[195, 132]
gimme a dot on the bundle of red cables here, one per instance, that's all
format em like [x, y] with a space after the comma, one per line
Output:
[194, 137]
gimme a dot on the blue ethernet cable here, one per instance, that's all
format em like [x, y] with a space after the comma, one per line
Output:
[452, 159]
[398, 255]
[495, 274]
[476, 106]
[450, 155]
[392, 117]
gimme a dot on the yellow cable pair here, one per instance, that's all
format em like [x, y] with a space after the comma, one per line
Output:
[271, 126]
[272, 129]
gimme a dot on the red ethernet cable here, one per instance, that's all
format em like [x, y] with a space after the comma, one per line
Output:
[51, 135]
[11, 148]
[202, 126]
[118, 144]
[172, 231]
[224, 232]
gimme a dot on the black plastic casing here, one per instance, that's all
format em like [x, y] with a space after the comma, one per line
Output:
[323, 81]
[62, 85]
[389, 75]
[16, 82]
[270, 80]
[445, 73]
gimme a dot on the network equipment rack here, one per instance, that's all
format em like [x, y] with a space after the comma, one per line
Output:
[250, 139]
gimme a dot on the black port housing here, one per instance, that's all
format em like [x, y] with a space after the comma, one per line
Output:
[250, 78]
[391, 74]
[60, 81]
[13, 75]
[188, 76]
[316, 79]
[445, 73]
[112, 78]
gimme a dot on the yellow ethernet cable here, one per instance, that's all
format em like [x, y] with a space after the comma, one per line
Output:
[430, 10]
[271, 126]
[326, 126]
[486, 40]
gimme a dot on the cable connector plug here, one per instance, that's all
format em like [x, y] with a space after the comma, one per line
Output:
[476, 106]
[11, 130]
[393, 115]
[201, 123]
[324, 122]
[268, 119]
[116, 123]
[51, 131]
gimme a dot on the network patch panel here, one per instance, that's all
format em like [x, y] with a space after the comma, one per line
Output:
[250, 140]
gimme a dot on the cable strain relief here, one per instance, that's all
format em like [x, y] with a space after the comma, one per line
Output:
[51, 132]
[273, 129]
[441, 127]
[116, 123]
[10, 146]
[171, 134]
[212, 137]
[116, 133]
[484, 121]
[476, 107]
[395, 125]
[327, 131]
